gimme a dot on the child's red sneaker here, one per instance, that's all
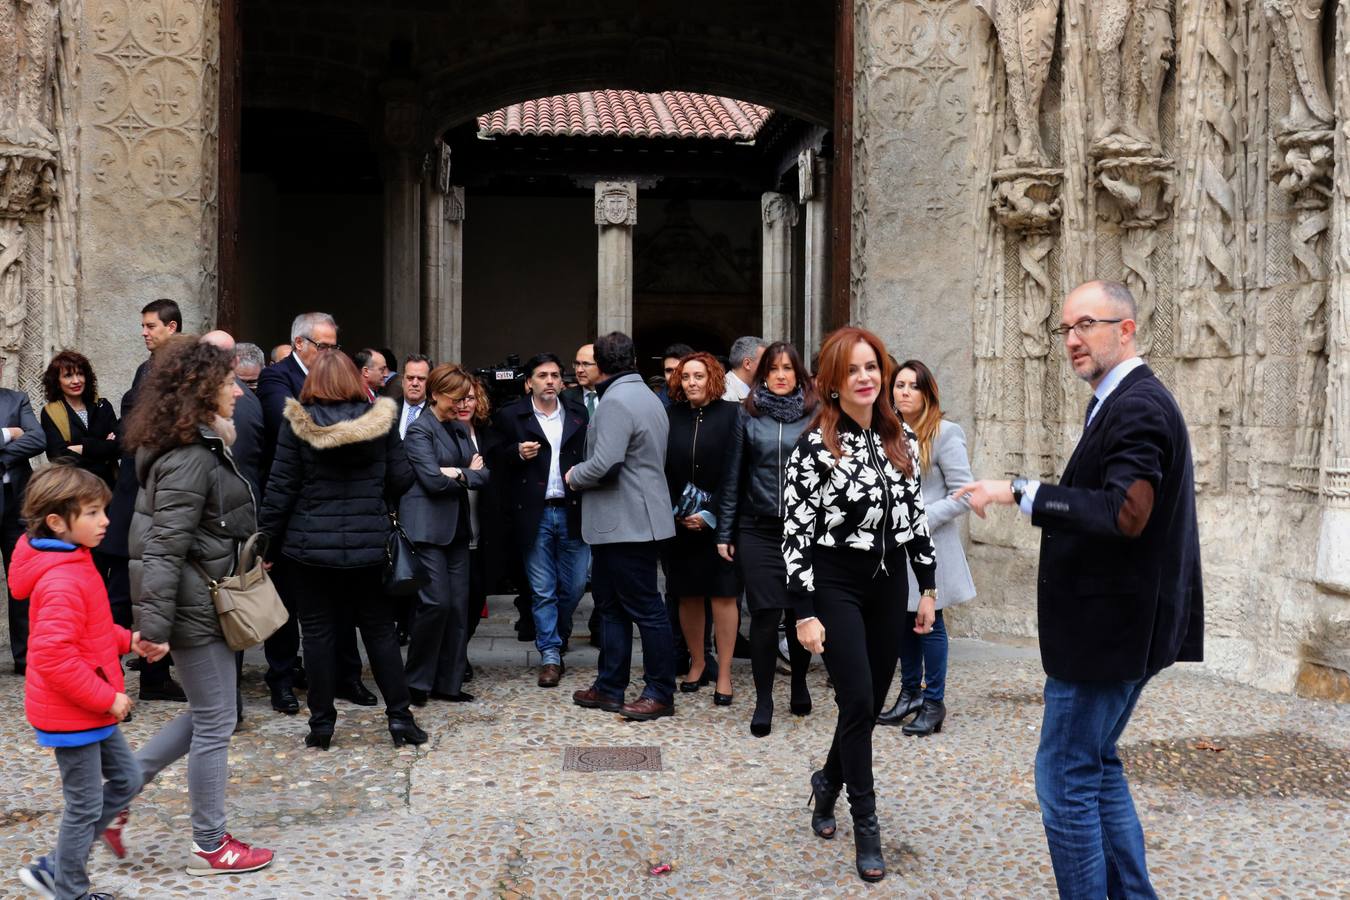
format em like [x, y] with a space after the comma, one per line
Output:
[231, 857]
[112, 835]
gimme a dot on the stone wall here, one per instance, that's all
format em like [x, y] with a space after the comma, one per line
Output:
[147, 112]
[1187, 150]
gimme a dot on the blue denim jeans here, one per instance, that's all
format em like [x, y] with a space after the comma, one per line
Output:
[923, 658]
[556, 567]
[1096, 842]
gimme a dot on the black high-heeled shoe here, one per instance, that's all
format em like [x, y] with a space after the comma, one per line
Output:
[761, 723]
[721, 699]
[406, 732]
[318, 739]
[690, 687]
[821, 802]
[929, 720]
[907, 704]
[867, 848]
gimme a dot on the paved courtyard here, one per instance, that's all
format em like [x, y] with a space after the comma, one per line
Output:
[1242, 793]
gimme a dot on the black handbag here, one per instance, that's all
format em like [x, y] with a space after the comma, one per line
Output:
[404, 572]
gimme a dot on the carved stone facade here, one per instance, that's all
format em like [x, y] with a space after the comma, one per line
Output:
[1004, 151]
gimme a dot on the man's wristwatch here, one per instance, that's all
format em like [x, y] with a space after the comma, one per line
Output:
[1019, 487]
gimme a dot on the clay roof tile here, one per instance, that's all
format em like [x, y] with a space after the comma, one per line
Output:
[670, 114]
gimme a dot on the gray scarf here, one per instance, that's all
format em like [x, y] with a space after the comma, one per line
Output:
[785, 409]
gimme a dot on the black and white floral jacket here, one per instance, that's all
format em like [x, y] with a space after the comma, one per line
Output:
[857, 502]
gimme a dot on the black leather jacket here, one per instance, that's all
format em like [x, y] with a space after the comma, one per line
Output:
[753, 485]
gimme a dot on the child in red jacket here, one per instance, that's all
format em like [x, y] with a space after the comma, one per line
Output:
[74, 695]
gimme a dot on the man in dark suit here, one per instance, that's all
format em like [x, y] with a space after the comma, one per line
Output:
[311, 334]
[546, 437]
[21, 439]
[1119, 596]
[248, 420]
[160, 320]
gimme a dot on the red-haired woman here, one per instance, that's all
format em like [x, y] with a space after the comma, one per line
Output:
[701, 428]
[853, 512]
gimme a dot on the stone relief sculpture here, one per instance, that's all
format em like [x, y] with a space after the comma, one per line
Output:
[1132, 49]
[37, 193]
[1302, 168]
[615, 203]
[1026, 37]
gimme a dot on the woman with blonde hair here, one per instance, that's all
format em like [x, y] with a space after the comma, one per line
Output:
[945, 467]
[853, 513]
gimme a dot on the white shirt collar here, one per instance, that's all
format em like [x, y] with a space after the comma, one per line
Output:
[1113, 378]
[301, 363]
[556, 414]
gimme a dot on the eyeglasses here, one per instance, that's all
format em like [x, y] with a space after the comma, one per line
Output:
[321, 346]
[1082, 326]
[467, 400]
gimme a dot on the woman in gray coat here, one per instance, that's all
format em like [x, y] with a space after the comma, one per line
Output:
[193, 510]
[946, 467]
[435, 514]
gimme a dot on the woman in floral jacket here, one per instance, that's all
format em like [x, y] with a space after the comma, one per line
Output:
[853, 512]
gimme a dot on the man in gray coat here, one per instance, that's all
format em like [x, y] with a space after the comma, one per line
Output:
[625, 510]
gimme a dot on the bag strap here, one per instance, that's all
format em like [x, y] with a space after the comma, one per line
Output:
[56, 411]
[250, 552]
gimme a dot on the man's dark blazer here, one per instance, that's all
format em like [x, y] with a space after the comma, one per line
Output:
[276, 384]
[528, 478]
[123, 502]
[248, 440]
[16, 411]
[1120, 594]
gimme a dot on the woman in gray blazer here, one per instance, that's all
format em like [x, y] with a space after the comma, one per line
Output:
[435, 515]
[945, 467]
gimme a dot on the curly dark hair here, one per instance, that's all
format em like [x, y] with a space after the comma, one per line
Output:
[69, 361]
[178, 395]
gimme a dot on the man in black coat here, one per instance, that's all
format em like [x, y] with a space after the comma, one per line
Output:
[311, 334]
[21, 438]
[248, 420]
[1119, 590]
[544, 438]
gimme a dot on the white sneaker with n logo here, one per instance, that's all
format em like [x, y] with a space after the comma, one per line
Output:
[231, 857]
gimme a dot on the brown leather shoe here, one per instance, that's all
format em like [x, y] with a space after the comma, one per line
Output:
[645, 708]
[550, 675]
[593, 699]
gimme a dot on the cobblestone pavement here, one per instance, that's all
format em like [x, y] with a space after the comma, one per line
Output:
[1242, 794]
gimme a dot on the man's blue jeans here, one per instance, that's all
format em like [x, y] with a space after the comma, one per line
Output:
[1096, 842]
[556, 567]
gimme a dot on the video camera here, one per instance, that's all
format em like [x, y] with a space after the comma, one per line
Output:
[504, 382]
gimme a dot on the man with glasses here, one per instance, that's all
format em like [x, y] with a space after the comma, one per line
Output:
[1120, 595]
[312, 333]
[584, 395]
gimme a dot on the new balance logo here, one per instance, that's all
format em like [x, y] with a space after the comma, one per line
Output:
[230, 857]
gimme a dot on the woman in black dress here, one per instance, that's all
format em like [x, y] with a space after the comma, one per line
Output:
[701, 429]
[79, 424]
[750, 519]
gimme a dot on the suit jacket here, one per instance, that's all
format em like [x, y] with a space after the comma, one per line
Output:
[97, 454]
[1120, 594]
[429, 512]
[277, 384]
[123, 504]
[248, 441]
[16, 411]
[574, 397]
[527, 479]
[948, 469]
[623, 478]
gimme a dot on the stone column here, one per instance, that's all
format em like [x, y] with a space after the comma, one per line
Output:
[402, 252]
[780, 217]
[443, 274]
[814, 187]
[615, 216]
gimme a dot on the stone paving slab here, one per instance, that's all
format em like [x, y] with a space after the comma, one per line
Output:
[1242, 794]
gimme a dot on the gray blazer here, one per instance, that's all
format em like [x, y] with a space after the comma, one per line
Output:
[623, 478]
[16, 411]
[948, 469]
[429, 511]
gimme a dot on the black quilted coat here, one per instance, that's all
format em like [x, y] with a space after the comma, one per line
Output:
[327, 497]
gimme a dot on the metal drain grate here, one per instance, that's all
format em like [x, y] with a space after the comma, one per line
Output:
[612, 759]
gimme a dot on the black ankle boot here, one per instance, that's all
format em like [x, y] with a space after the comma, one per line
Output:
[823, 796]
[801, 700]
[929, 719]
[318, 739]
[867, 848]
[908, 703]
[761, 723]
[405, 731]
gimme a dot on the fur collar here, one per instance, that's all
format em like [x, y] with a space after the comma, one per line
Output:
[371, 424]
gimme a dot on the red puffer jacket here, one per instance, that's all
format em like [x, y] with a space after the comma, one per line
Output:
[74, 669]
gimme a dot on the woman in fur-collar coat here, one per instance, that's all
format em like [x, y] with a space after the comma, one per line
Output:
[326, 509]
